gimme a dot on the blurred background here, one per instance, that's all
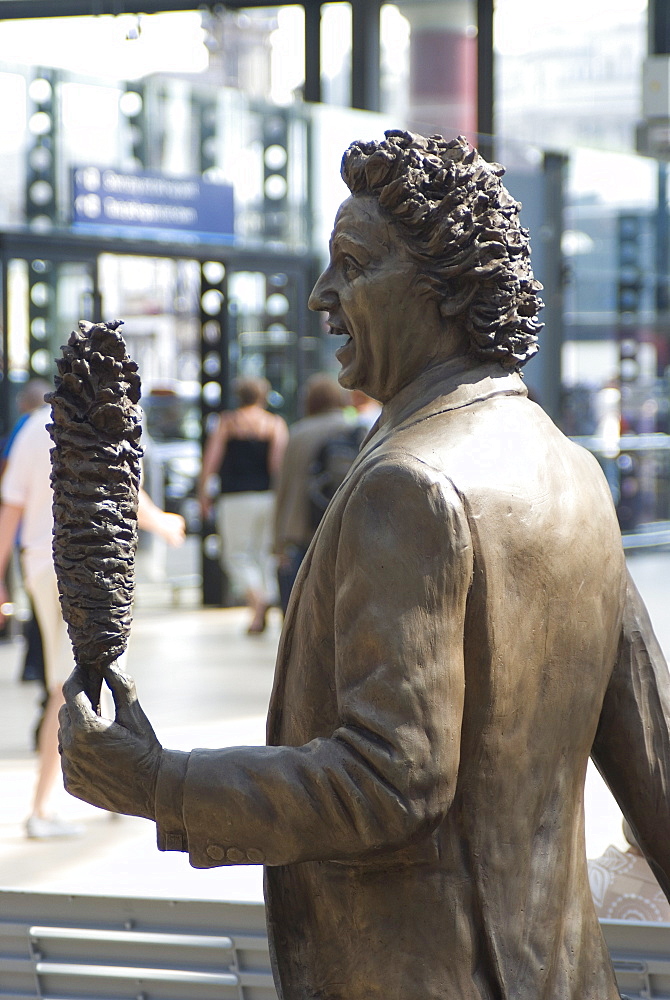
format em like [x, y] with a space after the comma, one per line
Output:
[179, 169]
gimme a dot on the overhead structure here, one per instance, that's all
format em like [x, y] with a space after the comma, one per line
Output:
[365, 62]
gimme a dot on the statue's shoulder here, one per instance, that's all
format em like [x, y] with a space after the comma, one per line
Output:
[397, 475]
[401, 503]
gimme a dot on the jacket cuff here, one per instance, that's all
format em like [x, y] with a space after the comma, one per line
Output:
[170, 829]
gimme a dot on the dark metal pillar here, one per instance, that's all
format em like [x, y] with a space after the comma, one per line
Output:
[365, 54]
[658, 27]
[662, 240]
[546, 198]
[485, 79]
[42, 214]
[276, 213]
[313, 52]
[215, 383]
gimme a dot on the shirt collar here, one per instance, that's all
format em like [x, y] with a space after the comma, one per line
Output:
[448, 385]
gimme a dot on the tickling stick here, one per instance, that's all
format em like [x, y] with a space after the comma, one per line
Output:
[95, 476]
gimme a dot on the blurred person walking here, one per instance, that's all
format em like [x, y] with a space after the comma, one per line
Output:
[295, 523]
[29, 399]
[241, 462]
[27, 504]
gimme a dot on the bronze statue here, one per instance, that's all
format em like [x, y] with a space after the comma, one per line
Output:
[461, 636]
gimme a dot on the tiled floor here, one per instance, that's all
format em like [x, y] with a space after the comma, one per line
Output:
[202, 682]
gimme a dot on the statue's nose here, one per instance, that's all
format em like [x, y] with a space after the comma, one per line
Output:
[324, 296]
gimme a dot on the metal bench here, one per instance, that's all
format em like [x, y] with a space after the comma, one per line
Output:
[112, 948]
[641, 957]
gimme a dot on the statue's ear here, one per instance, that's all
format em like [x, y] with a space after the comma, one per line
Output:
[454, 305]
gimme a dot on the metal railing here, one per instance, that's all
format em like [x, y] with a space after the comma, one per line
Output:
[113, 948]
[67, 947]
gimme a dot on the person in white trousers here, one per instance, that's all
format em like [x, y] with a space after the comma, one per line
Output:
[27, 502]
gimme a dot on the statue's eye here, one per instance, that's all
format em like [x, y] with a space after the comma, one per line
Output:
[351, 268]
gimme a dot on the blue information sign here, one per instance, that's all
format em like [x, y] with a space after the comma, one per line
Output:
[104, 197]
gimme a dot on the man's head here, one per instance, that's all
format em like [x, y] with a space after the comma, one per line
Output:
[32, 395]
[462, 228]
[251, 391]
[322, 395]
[443, 266]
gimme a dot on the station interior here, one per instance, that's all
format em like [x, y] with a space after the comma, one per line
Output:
[178, 168]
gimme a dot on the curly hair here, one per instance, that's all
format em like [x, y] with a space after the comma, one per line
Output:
[462, 229]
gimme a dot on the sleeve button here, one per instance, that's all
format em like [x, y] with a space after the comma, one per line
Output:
[235, 855]
[255, 856]
[215, 852]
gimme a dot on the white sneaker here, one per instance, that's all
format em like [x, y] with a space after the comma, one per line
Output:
[38, 828]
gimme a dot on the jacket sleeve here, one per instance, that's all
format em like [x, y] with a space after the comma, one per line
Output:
[632, 745]
[387, 774]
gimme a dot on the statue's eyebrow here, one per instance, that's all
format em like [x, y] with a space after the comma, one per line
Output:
[344, 243]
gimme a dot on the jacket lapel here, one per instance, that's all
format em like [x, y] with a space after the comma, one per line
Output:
[449, 386]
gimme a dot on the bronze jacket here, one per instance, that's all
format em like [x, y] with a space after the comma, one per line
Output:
[460, 638]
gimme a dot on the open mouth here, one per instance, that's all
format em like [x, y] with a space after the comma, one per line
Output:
[340, 330]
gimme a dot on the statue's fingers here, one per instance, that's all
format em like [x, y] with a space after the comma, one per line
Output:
[76, 700]
[64, 728]
[122, 686]
[70, 722]
[129, 712]
[73, 685]
[74, 781]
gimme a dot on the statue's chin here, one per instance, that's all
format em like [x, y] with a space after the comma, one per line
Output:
[347, 381]
[348, 376]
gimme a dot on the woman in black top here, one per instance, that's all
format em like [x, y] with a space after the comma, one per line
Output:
[244, 452]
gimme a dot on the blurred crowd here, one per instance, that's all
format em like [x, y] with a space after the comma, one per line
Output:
[267, 487]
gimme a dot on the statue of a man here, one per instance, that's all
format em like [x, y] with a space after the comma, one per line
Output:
[461, 637]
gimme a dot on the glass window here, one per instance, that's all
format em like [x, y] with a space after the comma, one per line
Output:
[569, 73]
[336, 21]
